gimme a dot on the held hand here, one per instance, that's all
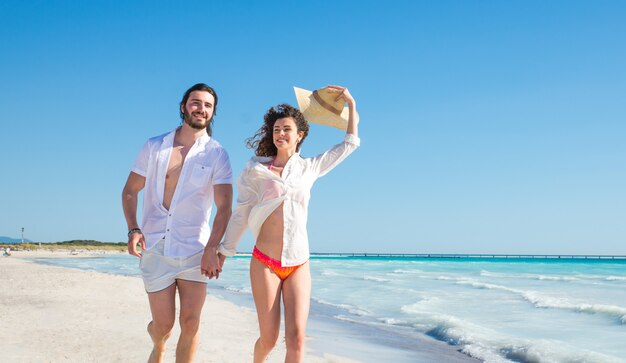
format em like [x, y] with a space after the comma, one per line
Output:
[134, 240]
[222, 259]
[342, 93]
[210, 265]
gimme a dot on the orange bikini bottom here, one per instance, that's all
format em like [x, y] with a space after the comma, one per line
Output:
[274, 265]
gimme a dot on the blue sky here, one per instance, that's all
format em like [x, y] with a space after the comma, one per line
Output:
[486, 126]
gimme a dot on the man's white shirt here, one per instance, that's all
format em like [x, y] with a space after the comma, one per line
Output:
[185, 226]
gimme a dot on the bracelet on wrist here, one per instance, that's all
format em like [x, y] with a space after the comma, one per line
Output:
[133, 230]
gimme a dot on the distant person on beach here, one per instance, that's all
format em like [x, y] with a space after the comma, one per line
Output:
[183, 172]
[273, 198]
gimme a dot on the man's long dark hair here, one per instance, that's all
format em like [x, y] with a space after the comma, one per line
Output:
[205, 88]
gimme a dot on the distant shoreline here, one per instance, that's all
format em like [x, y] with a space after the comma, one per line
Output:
[93, 246]
[88, 245]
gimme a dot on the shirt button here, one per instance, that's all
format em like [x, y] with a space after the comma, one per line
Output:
[168, 229]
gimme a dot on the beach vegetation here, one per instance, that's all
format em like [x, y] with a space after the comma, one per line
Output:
[68, 245]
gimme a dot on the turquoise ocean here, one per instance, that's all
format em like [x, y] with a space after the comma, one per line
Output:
[492, 309]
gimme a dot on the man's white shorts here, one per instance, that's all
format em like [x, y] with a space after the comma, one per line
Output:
[160, 271]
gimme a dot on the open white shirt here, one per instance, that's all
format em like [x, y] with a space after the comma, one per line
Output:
[185, 226]
[260, 192]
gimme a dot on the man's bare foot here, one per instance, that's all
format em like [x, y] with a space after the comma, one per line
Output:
[158, 351]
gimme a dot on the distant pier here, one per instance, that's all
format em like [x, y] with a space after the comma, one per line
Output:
[472, 256]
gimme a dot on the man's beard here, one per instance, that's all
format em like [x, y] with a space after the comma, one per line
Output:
[196, 124]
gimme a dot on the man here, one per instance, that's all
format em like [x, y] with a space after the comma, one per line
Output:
[184, 172]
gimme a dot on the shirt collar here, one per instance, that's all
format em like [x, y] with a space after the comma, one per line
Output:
[266, 159]
[203, 139]
[169, 138]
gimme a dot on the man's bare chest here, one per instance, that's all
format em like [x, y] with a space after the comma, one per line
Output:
[175, 167]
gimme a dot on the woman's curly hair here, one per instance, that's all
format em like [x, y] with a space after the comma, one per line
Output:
[263, 140]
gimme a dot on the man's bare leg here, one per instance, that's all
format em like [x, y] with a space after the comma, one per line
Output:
[192, 295]
[163, 308]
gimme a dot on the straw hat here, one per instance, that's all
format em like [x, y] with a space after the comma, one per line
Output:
[320, 107]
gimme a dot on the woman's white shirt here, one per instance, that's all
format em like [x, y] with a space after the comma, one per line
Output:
[260, 192]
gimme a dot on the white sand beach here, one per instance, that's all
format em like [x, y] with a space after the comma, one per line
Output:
[60, 314]
[54, 314]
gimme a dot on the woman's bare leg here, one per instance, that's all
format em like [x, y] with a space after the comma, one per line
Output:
[297, 300]
[266, 292]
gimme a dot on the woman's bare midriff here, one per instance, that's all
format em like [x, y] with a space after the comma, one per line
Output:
[270, 239]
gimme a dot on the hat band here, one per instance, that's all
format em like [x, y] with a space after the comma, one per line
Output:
[327, 106]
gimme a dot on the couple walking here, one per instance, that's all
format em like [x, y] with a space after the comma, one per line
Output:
[184, 172]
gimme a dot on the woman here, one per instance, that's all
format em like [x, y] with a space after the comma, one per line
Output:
[274, 192]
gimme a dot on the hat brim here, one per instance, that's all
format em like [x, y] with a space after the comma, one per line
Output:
[314, 112]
